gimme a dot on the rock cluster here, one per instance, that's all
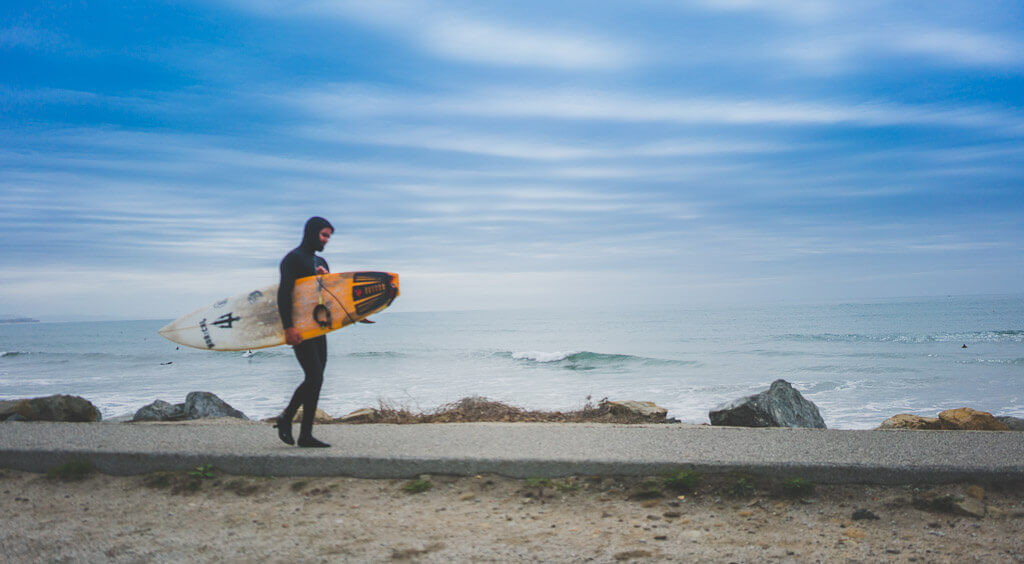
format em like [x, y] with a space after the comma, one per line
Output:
[72, 409]
[198, 405]
[962, 419]
[779, 406]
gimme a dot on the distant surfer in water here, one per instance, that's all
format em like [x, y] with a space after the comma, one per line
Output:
[302, 261]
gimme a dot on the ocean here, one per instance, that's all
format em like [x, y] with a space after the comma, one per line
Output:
[858, 362]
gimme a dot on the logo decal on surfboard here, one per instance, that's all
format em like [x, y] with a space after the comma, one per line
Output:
[226, 321]
[370, 291]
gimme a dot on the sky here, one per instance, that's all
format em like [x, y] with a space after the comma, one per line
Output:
[158, 156]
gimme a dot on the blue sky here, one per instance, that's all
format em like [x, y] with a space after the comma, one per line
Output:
[156, 156]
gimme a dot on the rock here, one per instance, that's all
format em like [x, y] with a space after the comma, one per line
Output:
[160, 410]
[1014, 423]
[967, 419]
[320, 417]
[970, 507]
[977, 492]
[365, 415]
[62, 408]
[779, 406]
[204, 404]
[8, 409]
[692, 535]
[862, 514]
[915, 422]
[996, 512]
[644, 409]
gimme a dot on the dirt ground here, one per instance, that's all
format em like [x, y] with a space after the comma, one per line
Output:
[206, 516]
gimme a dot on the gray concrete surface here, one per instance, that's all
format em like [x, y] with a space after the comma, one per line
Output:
[522, 450]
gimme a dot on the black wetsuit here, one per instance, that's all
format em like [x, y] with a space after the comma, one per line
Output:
[311, 353]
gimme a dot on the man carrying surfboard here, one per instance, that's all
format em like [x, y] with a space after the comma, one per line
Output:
[300, 262]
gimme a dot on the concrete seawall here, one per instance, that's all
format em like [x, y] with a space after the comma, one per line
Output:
[522, 450]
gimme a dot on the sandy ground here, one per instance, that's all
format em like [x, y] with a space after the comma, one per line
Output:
[177, 517]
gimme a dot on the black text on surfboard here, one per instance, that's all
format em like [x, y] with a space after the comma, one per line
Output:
[206, 333]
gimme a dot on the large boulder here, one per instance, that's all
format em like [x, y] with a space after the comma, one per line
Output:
[913, 422]
[63, 408]
[160, 410]
[204, 404]
[197, 406]
[781, 405]
[967, 419]
[642, 409]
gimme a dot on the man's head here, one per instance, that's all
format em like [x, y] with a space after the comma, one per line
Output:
[317, 232]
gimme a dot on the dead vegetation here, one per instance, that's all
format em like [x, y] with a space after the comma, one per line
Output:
[478, 409]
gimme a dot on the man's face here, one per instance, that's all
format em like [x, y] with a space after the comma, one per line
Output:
[325, 236]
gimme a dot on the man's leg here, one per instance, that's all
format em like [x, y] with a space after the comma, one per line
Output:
[312, 356]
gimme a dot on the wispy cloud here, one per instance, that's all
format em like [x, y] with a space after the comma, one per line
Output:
[802, 11]
[459, 36]
[28, 37]
[839, 51]
[347, 102]
[483, 42]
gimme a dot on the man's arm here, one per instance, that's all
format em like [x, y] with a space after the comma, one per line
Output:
[284, 301]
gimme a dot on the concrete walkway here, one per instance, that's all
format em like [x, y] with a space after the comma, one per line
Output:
[522, 450]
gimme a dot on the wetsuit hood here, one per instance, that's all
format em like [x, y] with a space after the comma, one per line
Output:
[311, 235]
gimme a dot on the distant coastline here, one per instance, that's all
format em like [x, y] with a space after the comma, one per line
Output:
[18, 320]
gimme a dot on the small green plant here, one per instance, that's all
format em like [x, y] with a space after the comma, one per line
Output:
[535, 486]
[741, 488]
[539, 483]
[299, 486]
[418, 486]
[72, 470]
[796, 487]
[567, 486]
[682, 481]
[202, 471]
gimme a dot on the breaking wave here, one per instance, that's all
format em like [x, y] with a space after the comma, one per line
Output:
[587, 360]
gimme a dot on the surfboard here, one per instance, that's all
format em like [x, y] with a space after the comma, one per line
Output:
[320, 304]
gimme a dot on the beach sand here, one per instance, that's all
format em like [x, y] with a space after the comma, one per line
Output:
[177, 517]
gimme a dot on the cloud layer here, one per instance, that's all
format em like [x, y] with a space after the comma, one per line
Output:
[508, 155]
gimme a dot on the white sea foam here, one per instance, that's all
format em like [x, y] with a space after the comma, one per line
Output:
[538, 356]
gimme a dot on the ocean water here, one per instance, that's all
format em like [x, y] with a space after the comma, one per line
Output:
[859, 362]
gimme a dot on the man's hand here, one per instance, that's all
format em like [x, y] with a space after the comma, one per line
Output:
[292, 336]
[321, 270]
